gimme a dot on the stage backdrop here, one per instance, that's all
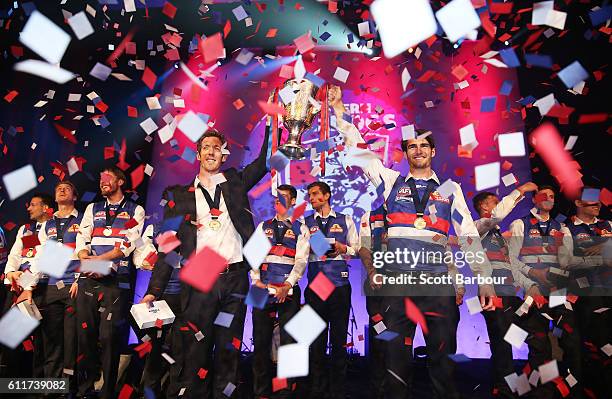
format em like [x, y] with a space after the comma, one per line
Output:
[444, 94]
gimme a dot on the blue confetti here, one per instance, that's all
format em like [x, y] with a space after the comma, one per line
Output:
[487, 104]
[539, 60]
[319, 244]
[573, 74]
[257, 297]
[509, 57]
[506, 88]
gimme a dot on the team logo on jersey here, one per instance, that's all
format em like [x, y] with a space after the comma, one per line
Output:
[435, 196]
[269, 232]
[534, 233]
[403, 194]
[74, 228]
[605, 233]
[52, 231]
[100, 215]
[314, 229]
[336, 228]
[123, 215]
[289, 234]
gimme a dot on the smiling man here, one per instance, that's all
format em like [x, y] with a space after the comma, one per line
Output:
[22, 260]
[214, 212]
[108, 232]
[419, 220]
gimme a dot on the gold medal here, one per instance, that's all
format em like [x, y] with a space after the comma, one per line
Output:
[107, 232]
[214, 225]
[420, 223]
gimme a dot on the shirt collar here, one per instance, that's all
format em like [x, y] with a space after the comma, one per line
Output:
[288, 218]
[115, 203]
[534, 212]
[578, 221]
[332, 213]
[432, 176]
[74, 213]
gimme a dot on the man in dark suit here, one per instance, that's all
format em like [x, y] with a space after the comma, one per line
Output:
[214, 212]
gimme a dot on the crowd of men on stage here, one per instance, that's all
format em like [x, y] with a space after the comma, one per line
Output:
[86, 315]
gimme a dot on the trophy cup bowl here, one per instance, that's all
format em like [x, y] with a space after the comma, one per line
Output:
[299, 116]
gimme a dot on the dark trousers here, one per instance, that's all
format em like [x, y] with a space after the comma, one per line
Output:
[162, 341]
[498, 322]
[227, 295]
[441, 342]
[263, 327]
[377, 348]
[38, 357]
[14, 362]
[540, 350]
[102, 312]
[335, 311]
[59, 333]
[596, 331]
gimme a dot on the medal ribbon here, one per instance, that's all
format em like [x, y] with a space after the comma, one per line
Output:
[111, 219]
[279, 232]
[420, 203]
[212, 204]
[61, 231]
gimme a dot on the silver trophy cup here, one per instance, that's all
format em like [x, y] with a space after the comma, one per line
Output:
[299, 116]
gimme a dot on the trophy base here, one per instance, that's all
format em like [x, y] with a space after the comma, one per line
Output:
[292, 151]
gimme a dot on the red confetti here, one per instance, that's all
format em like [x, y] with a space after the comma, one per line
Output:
[212, 48]
[414, 313]
[322, 286]
[149, 78]
[169, 10]
[202, 269]
[126, 392]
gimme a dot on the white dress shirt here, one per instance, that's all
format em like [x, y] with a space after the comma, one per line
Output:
[469, 239]
[226, 241]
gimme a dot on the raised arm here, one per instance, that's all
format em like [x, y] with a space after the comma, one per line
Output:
[257, 169]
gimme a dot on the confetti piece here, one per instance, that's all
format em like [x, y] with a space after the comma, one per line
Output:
[202, 269]
[80, 25]
[487, 175]
[256, 249]
[192, 126]
[20, 181]
[292, 361]
[54, 258]
[305, 326]
[341, 74]
[149, 78]
[322, 286]
[573, 74]
[16, 326]
[548, 371]
[402, 24]
[414, 314]
[45, 38]
[515, 336]
[458, 18]
[44, 70]
[511, 144]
